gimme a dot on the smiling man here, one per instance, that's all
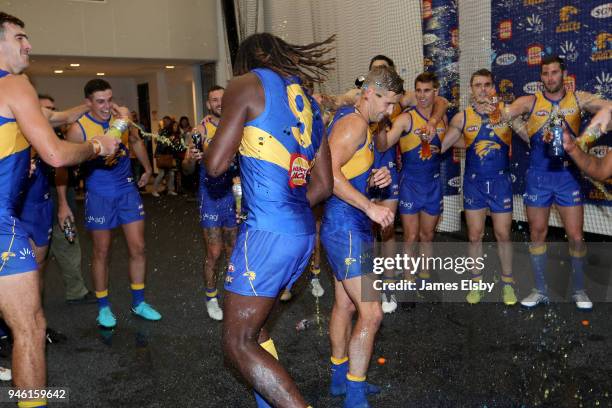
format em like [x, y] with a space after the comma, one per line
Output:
[113, 200]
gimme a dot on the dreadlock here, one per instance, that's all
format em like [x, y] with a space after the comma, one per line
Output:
[264, 50]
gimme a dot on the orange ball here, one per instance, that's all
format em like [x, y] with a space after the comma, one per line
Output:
[381, 361]
[585, 323]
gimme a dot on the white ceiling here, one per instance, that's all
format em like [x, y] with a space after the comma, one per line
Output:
[41, 65]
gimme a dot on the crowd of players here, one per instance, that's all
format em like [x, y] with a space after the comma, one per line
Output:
[270, 151]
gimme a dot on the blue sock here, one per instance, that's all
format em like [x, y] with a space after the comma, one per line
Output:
[102, 297]
[577, 259]
[137, 293]
[355, 392]
[539, 259]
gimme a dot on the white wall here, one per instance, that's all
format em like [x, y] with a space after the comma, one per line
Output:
[176, 29]
[68, 92]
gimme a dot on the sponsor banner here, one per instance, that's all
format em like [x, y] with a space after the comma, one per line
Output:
[524, 31]
[441, 55]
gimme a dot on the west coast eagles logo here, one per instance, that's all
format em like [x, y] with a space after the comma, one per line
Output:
[298, 170]
[566, 25]
[484, 147]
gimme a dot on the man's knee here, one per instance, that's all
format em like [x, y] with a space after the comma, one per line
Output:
[475, 235]
[371, 315]
[213, 252]
[344, 304]
[137, 250]
[31, 326]
[426, 236]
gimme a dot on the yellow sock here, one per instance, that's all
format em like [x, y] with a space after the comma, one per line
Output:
[268, 345]
[338, 361]
[354, 378]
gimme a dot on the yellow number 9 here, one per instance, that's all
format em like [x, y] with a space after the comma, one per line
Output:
[300, 106]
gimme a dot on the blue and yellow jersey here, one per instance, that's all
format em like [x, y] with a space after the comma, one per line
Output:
[14, 163]
[106, 175]
[215, 186]
[276, 153]
[417, 162]
[487, 146]
[338, 213]
[536, 124]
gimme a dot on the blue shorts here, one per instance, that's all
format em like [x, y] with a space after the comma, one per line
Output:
[217, 212]
[16, 254]
[263, 263]
[349, 253]
[104, 213]
[37, 221]
[543, 187]
[493, 192]
[416, 196]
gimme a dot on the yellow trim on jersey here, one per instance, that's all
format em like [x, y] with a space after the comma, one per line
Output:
[93, 129]
[412, 140]
[261, 145]
[361, 161]
[473, 123]
[210, 130]
[542, 108]
[11, 140]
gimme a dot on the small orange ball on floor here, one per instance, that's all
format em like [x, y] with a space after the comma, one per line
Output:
[381, 360]
[585, 323]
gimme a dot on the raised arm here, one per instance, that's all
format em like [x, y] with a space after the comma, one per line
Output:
[60, 118]
[388, 137]
[599, 169]
[23, 103]
[600, 107]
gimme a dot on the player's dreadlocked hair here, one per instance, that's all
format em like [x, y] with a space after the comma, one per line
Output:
[264, 50]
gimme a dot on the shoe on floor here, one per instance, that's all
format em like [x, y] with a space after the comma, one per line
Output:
[172, 193]
[582, 301]
[146, 311]
[214, 310]
[5, 374]
[286, 295]
[474, 296]
[534, 299]
[155, 194]
[508, 295]
[389, 303]
[54, 337]
[317, 289]
[106, 318]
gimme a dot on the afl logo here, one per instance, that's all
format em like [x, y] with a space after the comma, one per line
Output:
[472, 129]
[603, 11]
[532, 87]
[455, 182]
[298, 170]
[542, 113]
[506, 59]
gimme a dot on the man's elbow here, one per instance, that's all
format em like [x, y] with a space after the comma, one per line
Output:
[215, 167]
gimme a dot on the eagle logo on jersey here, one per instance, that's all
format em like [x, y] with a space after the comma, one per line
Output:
[250, 275]
[484, 147]
[298, 170]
